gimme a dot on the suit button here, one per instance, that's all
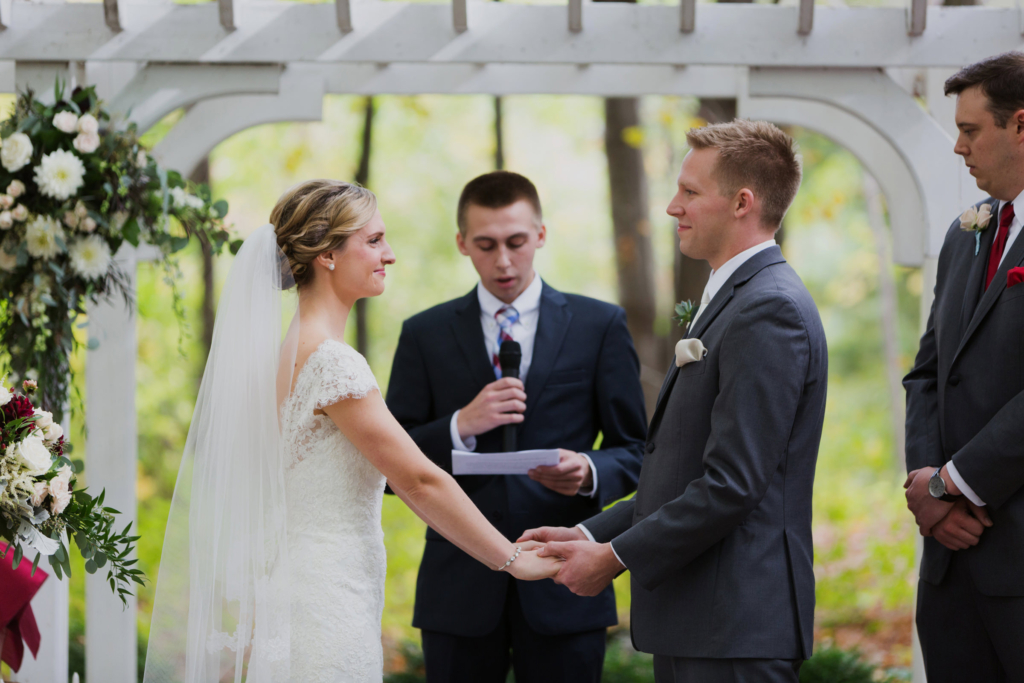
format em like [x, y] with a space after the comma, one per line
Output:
[954, 380]
[650, 447]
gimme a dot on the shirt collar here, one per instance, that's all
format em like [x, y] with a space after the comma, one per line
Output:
[525, 303]
[1017, 204]
[719, 277]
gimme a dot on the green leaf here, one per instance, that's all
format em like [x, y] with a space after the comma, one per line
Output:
[93, 343]
[99, 558]
[131, 231]
[17, 556]
[60, 555]
[220, 208]
[90, 567]
[35, 564]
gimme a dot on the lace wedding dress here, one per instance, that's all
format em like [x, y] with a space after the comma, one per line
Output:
[335, 541]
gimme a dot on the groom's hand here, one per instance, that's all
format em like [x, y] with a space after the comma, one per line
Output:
[499, 403]
[928, 511]
[571, 474]
[547, 534]
[962, 527]
[589, 567]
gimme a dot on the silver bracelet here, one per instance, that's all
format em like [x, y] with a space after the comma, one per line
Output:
[511, 559]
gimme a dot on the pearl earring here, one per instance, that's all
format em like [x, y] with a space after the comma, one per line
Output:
[330, 266]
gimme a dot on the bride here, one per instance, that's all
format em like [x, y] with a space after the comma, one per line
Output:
[273, 562]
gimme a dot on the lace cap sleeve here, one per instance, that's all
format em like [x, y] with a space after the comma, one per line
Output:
[341, 372]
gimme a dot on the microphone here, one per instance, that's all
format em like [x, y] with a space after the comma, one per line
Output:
[509, 356]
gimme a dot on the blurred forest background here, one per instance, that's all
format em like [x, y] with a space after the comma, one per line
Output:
[423, 150]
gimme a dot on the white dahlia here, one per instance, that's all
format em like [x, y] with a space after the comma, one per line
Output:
[16, 152]
[90, 257]
[59, 174]
[41, 237]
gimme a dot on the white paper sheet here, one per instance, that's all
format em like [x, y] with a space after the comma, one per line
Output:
[519, 462]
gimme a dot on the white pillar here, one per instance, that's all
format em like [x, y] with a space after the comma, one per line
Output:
[50, 607]
[111, 631]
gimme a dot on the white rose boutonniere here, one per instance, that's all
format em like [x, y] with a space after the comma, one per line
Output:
[976, 220]
[688, 351]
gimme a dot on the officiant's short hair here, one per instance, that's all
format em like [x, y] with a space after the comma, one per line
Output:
[496, 190]
[1001, 79]
[756, 155]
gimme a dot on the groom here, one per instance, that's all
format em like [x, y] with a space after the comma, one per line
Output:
[718, 536]
[965, 402]
[581, 378]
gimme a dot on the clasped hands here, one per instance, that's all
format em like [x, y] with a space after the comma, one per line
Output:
[956, 525]
[586, 567]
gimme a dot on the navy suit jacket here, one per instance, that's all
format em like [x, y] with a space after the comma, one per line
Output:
[584, 380]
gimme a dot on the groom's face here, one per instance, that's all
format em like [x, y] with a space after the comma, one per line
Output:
[993, 153]
[702, 212]
[501, 243]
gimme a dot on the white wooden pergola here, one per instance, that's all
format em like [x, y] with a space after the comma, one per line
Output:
[870, 78]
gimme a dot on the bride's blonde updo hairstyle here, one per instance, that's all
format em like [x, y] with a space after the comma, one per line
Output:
[318, 216]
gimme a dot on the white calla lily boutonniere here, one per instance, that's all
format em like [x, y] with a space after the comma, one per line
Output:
[688, 351]
[976, 221]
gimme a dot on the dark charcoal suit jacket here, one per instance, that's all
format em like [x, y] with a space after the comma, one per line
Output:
[718, 536]
[965, 403]
[584, 380]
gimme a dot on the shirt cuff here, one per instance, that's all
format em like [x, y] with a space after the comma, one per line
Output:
[457, 443]
[962, 485]
[590, 537]
[593, 478]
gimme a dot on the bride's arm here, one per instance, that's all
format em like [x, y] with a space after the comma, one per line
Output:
[428, 490]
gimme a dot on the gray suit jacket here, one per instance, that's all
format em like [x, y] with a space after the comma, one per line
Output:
[718, 536]
[965, 403]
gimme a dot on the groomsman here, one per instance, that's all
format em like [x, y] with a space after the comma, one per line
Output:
[965, 402]
[580, 382]
[718, 537]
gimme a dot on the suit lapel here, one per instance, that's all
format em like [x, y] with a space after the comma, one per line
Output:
[976, 279]
[552, 325]
[469, 335]
[752, 267]
[1013, 259]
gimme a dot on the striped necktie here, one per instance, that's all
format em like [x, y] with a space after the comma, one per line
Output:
[506, 317]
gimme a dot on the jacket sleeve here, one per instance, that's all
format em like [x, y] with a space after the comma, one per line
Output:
[992, 463]
[763, 360]
[409, 399]
[622, 417]
[612, 522]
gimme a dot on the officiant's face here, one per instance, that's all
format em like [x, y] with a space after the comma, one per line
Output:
[993, 153]
[501, 243]
[703, 214]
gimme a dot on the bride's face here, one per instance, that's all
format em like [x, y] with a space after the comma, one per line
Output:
[359, 265]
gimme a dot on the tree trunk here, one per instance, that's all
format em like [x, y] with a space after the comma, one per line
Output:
[208, 312]
[499, 136]
[890, 315]
[363, 178]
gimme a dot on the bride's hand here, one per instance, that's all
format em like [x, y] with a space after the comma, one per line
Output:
[530, 567]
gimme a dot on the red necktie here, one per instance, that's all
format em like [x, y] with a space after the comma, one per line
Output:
[999, 245]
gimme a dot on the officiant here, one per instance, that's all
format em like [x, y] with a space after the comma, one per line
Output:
[579, 385]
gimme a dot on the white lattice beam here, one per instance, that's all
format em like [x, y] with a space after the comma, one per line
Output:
[615, 33]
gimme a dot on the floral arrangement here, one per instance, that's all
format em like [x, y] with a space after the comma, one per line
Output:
[40, 508]
[76, 186]
[976, 220]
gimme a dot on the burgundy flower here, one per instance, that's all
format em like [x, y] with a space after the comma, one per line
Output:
[18, 406]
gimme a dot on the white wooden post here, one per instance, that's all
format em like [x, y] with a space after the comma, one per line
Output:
[111, 631]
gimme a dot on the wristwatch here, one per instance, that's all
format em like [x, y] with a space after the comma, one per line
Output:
[937, 488]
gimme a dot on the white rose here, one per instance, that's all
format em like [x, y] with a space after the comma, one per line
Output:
[86, 143]
[20, 212]
[8, 262]
[80, 209]
[60, 490]
[39, 493]
[33, 454]
[6, 220]
[16, 152]
[5, 395]
[65, 122]
[53, 433]
[968, 218]
[44, 420]
[70, 219]
[984, 215]
[688, 351]
[87, 225]
[6, 201]
[16, 188]
[88, 125]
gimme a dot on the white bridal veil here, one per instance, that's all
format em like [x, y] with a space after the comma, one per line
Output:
[221, 611]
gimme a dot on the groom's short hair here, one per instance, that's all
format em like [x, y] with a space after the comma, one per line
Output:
[1002, 82]
[496, 190]
[755, 155]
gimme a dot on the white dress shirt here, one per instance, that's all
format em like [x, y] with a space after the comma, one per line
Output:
[715, 282]
[1015, 226]
[524, 331]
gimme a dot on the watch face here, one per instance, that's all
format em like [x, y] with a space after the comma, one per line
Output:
[936, 487]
